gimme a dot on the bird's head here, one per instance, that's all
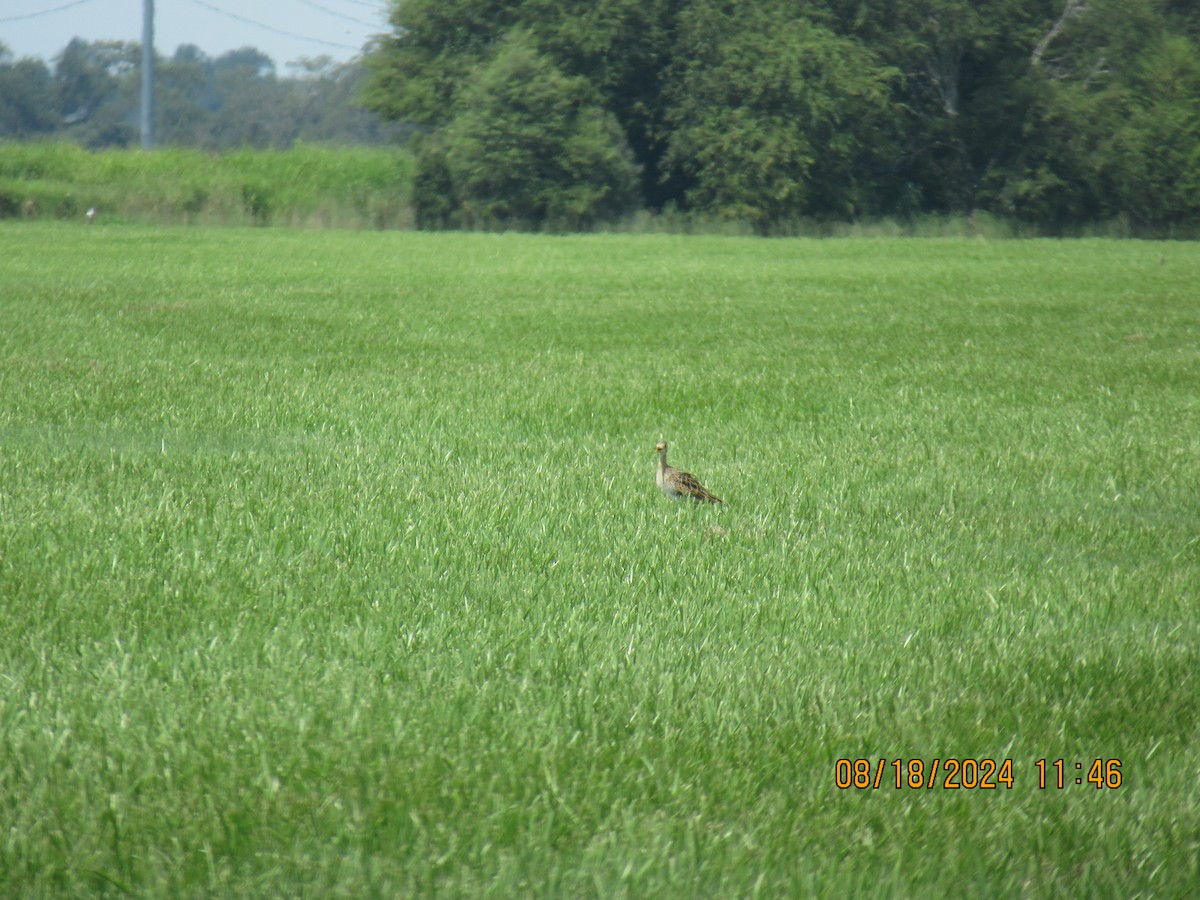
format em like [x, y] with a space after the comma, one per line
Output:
[660, 447]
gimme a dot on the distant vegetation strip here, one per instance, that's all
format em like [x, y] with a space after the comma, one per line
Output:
[321, 186]
[306, 186]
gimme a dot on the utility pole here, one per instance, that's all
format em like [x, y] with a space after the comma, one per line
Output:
[147, 74]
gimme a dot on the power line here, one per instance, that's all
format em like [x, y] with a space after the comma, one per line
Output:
[44, 12]
[216, 9]
[338, 15]
[271, 28]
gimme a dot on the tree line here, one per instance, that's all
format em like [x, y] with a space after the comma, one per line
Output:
[563, 114]
[92, 95]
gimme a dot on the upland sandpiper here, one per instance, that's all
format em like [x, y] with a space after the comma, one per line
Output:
[676, 483]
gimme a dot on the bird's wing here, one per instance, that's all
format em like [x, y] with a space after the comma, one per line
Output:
[687, 483]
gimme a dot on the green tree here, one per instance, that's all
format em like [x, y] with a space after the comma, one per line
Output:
[621, 47]
[1051, 111]
[250, 112]
[97, 93]
[93, 97]
[961, 94]
[1114, 123]
[531, 146]
[624, 49]
[26, 97]
[1136, 139]
[186, 98]
[325, 106]
[418, 70]
[1154, 159]
[774, 116]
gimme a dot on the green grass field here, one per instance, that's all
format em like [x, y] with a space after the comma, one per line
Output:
[332, 564]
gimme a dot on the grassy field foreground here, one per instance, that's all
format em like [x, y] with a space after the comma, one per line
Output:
[332, 563]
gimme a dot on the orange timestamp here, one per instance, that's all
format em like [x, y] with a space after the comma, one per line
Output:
[970, 774]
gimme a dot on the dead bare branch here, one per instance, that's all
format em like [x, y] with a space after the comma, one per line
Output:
[1072, 9]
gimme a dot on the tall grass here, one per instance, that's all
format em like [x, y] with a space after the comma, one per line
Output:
[303, 186]
[333, 563]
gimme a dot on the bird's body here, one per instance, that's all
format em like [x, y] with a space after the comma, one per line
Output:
[676, 483]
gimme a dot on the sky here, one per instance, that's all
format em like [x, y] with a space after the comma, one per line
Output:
[285, 30]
